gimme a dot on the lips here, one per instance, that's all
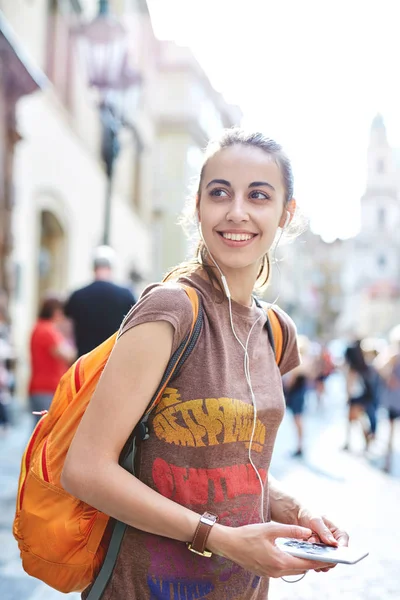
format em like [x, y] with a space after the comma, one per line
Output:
[237, 236]
[237, 239]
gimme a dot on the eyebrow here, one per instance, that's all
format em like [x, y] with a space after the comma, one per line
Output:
[260, 183]
[251, 185]
[220, 181]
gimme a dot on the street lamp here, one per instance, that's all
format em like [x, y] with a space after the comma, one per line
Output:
[107, 62]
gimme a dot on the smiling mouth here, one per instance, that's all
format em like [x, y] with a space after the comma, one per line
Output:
[237, 237]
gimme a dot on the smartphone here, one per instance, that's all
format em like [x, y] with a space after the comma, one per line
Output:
[322, 552]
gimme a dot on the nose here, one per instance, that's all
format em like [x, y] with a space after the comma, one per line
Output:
[237, 212]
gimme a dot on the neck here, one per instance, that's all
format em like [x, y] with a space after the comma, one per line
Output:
[240, 282]
[102, 274]
[241, 285]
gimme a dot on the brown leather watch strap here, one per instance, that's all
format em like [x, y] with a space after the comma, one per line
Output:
[199, 542]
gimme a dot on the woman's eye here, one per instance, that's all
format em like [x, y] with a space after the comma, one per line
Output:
[218, 193]
[259, 196]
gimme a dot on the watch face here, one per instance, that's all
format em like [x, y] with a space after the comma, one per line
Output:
[208, 519]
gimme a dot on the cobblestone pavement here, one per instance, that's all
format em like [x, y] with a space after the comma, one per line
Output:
[349, 487]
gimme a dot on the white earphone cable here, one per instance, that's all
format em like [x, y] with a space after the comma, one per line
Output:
[246, 372]
[247, 369]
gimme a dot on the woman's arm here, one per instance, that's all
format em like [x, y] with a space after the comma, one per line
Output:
[92, 472]
[284, 507]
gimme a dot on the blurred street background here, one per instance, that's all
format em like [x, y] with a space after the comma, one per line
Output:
[105, 107]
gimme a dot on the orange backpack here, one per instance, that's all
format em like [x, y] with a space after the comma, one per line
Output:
[63, 541]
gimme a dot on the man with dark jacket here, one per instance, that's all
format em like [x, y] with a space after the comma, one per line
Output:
[97, 310]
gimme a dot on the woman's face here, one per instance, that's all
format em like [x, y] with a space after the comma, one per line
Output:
[241, 205]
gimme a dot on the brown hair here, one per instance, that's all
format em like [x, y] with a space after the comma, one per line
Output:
[232, 137]
[49, 307]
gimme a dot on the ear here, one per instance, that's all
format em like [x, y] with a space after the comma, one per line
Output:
[290, 208]
[198, 207]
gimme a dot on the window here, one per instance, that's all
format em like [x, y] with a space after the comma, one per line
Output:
[62, 17]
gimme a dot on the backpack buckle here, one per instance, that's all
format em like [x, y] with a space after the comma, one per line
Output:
[143, 431]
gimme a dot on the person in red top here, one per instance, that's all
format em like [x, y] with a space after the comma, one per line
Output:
[51, 355]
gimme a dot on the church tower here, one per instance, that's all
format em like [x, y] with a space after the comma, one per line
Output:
[371, 275]
[378, 239]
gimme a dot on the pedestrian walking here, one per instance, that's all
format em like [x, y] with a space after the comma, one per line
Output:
[370, 348]
[295, 385]
[360, 385]
[200, 510]
[324, 368]
[97, 309]
[388, 364]
[50, 354]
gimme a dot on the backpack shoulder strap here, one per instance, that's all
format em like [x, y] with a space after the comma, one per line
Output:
[277, 334]
[274, 328]
[181, 354]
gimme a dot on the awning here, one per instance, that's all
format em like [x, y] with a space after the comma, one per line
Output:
[20, 76]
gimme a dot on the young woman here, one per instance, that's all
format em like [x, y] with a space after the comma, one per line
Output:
[213, 433]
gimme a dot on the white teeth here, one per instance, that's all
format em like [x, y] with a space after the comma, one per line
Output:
[237, 237]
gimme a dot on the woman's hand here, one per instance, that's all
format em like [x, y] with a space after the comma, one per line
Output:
[323, 531]
[253, 548]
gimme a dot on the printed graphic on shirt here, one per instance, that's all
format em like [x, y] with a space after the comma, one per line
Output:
[170, 589]
[206, 422]
[190, 486]
[178, 589]
[176, 574]
[173, 573]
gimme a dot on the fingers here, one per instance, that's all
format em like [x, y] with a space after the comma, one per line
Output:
[321, 528]
[325, 569]
[340, 536]
[291, 531]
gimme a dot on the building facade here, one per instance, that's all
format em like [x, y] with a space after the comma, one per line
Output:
[188, 112]
[19, 78]
[58, 177]
[351, 288]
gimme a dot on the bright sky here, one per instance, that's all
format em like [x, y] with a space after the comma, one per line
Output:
[309, 73]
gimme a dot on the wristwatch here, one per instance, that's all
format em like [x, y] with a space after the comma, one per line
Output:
[198, 544]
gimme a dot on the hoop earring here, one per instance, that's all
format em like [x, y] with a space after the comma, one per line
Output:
[267, 261]
[265, 265]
